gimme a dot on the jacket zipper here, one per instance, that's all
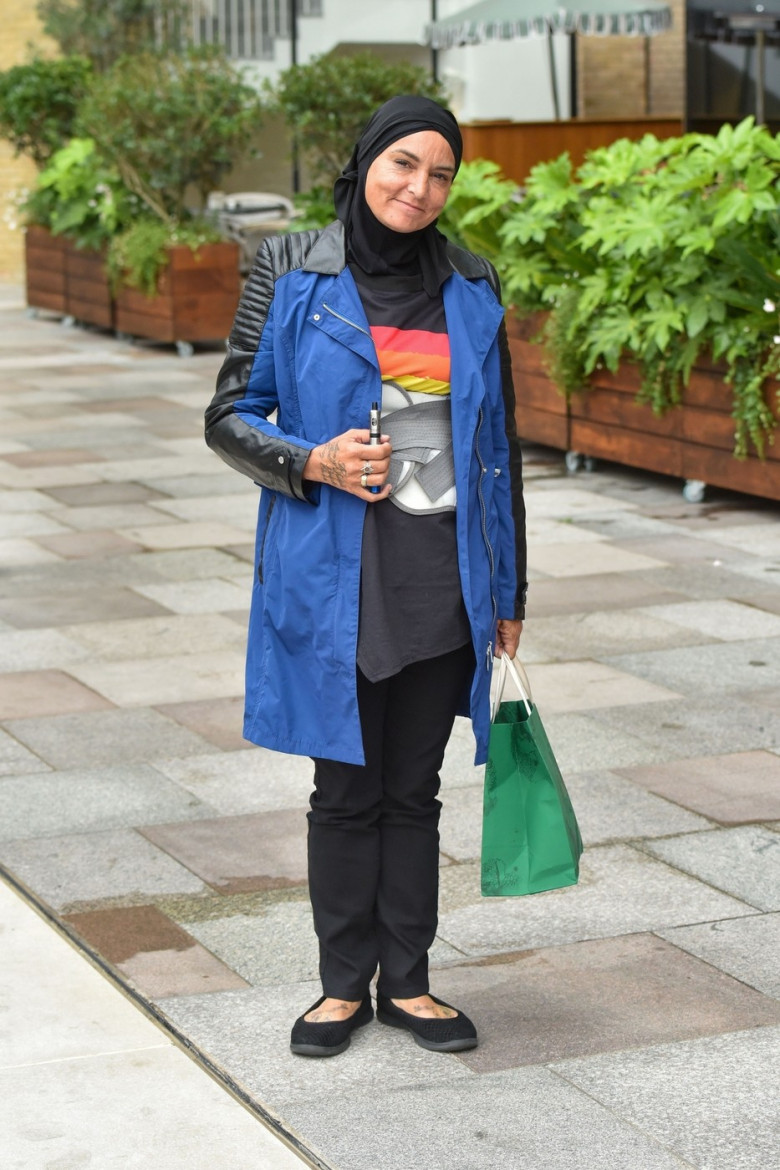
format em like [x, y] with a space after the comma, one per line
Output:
[485, 537]
[346, 320]
[271, 507]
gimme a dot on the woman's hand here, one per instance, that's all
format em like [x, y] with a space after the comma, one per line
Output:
[508, 634]
[344, 463]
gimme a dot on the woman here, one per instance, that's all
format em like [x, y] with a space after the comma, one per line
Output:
[387, 572]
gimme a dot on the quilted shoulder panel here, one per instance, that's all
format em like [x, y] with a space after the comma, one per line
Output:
[275, 257]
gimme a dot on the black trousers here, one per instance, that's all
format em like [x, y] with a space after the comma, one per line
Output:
[374, 836]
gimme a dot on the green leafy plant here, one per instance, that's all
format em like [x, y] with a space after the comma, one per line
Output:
[105, 30]
[138, 255]
[477, 208]
[78, 195]
[656, 252]
[171, 122]
[327, 102]
[38, 104]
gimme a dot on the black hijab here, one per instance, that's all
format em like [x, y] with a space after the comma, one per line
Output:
[377, 249]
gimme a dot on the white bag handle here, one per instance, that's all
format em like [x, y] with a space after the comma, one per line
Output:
[514, 668]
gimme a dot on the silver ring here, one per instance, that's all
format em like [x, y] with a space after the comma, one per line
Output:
[364, 481]
[368, 469]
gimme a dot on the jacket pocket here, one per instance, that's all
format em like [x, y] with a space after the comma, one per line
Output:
[261, 557]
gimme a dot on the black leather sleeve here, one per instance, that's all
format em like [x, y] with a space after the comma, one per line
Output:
[515, 473]
[272, 461]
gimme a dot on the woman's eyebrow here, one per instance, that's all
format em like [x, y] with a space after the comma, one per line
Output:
[415, 158]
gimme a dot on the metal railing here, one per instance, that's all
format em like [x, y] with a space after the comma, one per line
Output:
[247, 29]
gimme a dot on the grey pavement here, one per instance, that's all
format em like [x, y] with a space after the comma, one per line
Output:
[631, 1021]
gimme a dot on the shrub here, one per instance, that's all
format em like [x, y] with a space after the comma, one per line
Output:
[78, 195]
[651, 251]
[38, 104]
[168, 122]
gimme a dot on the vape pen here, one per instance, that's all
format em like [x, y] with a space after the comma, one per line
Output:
[375, 433]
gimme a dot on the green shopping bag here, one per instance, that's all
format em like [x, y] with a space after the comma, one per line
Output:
[530, 838]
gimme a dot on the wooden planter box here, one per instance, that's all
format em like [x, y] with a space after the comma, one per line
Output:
[87, 292]
[693, 441]
[45, 269]
[196, 298]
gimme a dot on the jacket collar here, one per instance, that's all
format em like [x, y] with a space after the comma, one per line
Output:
[327, 256]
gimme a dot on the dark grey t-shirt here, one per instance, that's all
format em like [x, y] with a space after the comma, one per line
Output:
[411, 603]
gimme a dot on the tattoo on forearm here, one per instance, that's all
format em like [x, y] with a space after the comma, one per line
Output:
[334, 471]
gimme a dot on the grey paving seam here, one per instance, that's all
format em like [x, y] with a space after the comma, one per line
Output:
[308, 1156]
[623, 1120]
[687, 873]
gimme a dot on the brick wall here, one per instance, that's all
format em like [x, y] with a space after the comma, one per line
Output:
[21, 30]
[633, 76]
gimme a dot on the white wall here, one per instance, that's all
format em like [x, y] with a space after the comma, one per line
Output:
[499, 79]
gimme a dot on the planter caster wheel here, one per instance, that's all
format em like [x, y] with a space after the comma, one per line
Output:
[127, 338]
[68, 322]
[185, 349]
[31, 312]
[693, 491]
[591, 464]
[574, 462]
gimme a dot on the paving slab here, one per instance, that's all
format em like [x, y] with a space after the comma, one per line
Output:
[156, 955]
[181, 565]
[249, 1033]
[715, 669]
[97, 543]
[105, 738]
[195, 535]
[604, 591]
[114, 1088]
[68, 871]
[175, 678]
[582, 743]
[21, 553]
[99, 494]
[62, 609]
[137, 638]
[744, 862]
[38, 649]
[761, 539]
[724, 621]
[45, 692]
[247, 781]
[578, 559]
[730, 789]
[220, 721]
[618, 893]
[257, 851]
[277, 946]
[597, 634]
[84, 799]
[552, 1003]
[15, 759]
[206, 596]
[523, 1118]
[585, 686]
[703, 581]
[747, 948]
[612, 809]
[713, 1102]
[708, 726]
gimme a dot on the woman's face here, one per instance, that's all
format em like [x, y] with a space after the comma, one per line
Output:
[407, 185]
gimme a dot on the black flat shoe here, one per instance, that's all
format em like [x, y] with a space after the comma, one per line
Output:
[331, 1037]
[443, 1035]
